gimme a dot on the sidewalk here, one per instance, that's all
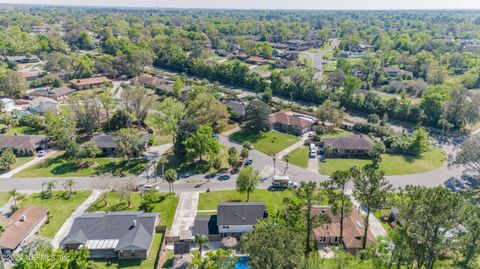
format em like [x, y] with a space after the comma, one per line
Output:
[27, 165]
[67, 225]
[185, 215]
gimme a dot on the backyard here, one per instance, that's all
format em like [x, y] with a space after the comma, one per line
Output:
[271, 142]
[57, 166]
[166, 207]
[23, 130]
[299, 157]
[392, 164]
[60, 207]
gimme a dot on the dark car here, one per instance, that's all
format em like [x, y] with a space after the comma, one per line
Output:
[249, 162]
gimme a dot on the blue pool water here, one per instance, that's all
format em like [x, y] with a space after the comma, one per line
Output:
[242, 263]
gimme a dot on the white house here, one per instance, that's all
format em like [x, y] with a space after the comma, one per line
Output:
[8, 105]
[44, 104]
[238, 218]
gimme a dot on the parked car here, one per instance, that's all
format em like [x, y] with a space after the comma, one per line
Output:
[42, 153]
[147, 187]
[283, 182]
[249, 162]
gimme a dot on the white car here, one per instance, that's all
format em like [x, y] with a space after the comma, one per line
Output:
[42, 153]
[293, 184]
[148, 187]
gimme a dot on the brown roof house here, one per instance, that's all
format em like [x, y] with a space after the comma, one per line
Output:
[293, 122]
[22, 224]
[351, 145]
[88, 83]
[23, 144]
[329, 233]
[53, 93]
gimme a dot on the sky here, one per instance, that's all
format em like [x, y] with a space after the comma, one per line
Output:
[269, 4]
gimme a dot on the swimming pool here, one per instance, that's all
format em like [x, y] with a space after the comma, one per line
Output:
[242, 263]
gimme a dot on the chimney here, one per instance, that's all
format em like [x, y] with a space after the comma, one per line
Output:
[23, 218]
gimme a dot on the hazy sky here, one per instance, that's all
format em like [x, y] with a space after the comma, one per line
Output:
[271, 4]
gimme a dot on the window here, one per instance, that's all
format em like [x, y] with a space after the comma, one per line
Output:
[226, 227]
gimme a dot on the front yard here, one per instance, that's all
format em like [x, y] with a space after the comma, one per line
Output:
[166, 207]
[299, 156]
[19, 161]
[23, 130]
[57, 166]
[271, 142]
[59, 208]
[392, 164]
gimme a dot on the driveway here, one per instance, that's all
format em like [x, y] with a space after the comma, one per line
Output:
[375, 226]
[67, 225]
[27, 165]
[152, 155]
[293, 147]
[185, 215]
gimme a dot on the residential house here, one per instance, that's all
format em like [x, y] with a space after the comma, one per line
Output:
[236, 108]
[361, 48]
[23, 144]
[329, 233]
[20, 226]
[280, 46]
[257, 60]
[222, 53]
[8, 105]
[30, 76]
[291, 54]
[122, 235]
[57, 94]
[22, 59]
[88, 83]
[291, 121]
[108, 145]
[164, 84]
[43, 105]
[347, 146]
[39, 29]
[232, 219]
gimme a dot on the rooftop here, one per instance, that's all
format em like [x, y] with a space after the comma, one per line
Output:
[240, 213]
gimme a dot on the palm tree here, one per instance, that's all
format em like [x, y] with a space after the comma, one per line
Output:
[171, 177]
[68, 185]
[14, 194]
[201, 240]
[286, 158]
[49, 185]
[161, 164]
[274, 157]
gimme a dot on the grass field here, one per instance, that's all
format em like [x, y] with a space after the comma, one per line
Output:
[392, 164]
[20, 161]
[337, 132]
[166, 207]
[57, 166]
[149, 263]
[23, 130]
[4, 197]
[269, 143]
[299, 157]
[162, 140]
[59, 209]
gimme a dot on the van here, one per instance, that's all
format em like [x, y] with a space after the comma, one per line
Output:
[283, 182]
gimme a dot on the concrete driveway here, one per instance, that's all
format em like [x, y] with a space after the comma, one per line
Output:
[185, 215]
[36, 160]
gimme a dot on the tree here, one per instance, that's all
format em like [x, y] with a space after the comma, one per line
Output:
[171, 177]
[201, 240]
[16, 197]
[161, 166]
[419, 143]
[335, 80]
[50, 185]
[218, 259]
[72, 152]
[149, 199]
[469, 154]
[7, 159]
[456, 109]
[248, 180]
[69, 184]
[433, 103]
[257, 116]
[137, 101]
[13, 84]
[130, 143]
[206, 109]
[125, 189]
[469, 241]
[436, 74]
[108, 104]
[340, 203]
[202, 143]
[371, 189]
[330, 111]
[376, 153]
[91, 150]
[170, 113]
[299, 215]
[273, 245]
[233, 157]
[350, 86]
[54, 259]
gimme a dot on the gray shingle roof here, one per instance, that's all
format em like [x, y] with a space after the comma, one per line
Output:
[22, 142]
[237, 107]
[115, 226]
[205, 225]
[108, 141]
[240, 213]
[351, 142]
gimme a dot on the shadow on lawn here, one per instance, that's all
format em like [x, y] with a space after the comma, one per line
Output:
[242, 136]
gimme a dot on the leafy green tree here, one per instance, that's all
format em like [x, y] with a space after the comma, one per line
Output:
[69, 184]
[206, 109]
[108, 103]
[257, 116]
[54, 259]
[138, 102]
[419, 143]
[218, 259]
[13, 84]
[149, 200]
[129, 143]
[469, 154]
[233, 157]
[201, 240]
[7, 159]
[171, 112]
[376, 153]
[273, 245]
[50, 185]
[468, 243]
[202, 143]
[330, 111]
[17, 197]
[371, 189]
[171, 177]
[247, 180]
[73, 152]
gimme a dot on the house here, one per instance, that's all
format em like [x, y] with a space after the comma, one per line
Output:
[108, 145]
[392, 71]
[7, 105]
[291, 54]
[232, 219]
[329, 233]
[151, 82]
[122, 234]
[39, 29]
[57, 94]
[257, 60]
[23, 144]
[43, 105]
[88, 83]
[351, 145]
[21, 225]
[236, 108]
[361, 48]
[222, 53]
[30, 76]
[22, 59]
[290, 121]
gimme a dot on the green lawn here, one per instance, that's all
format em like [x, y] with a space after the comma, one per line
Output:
[23, 130]
[264, 67]
[159, 140]
[59, 208]
[4, 197]
[56, 166]
[20, 161]
[336, 132]
[269, 143]
[149, 263]
[166, 207]
[299, 156]
[392, 164]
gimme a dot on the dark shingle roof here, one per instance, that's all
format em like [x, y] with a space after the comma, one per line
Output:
[237, 107]
[21, 142]
[352, 142]
[205, 225]
[181, 247]
[132, 229]
[108, 141]
[240, 213]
